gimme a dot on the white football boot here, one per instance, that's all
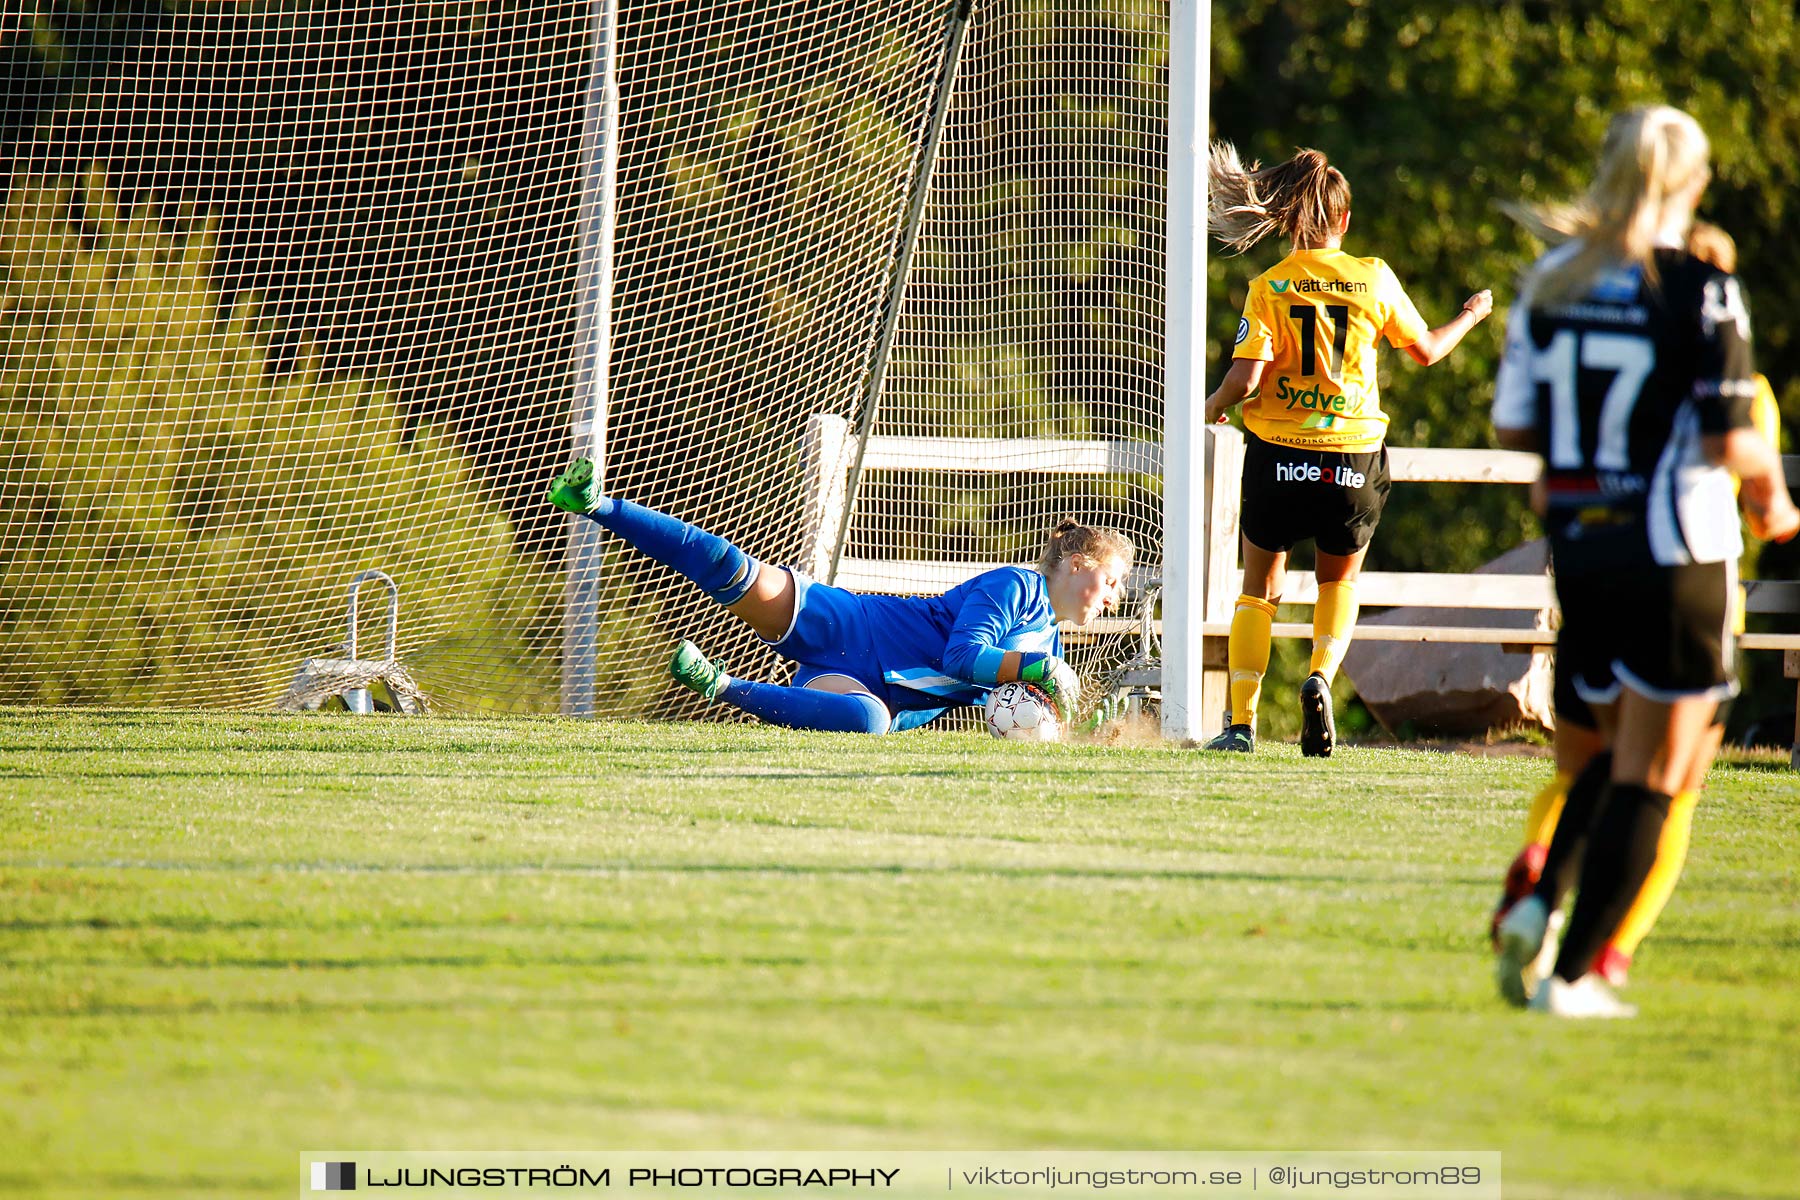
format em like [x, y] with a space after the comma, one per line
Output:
[1524, 937]
[1545, 962]
[1586, 998]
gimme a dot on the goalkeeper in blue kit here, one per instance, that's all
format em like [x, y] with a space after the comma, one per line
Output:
[874, 664]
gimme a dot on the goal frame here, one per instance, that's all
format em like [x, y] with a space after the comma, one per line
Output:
[1184, 554]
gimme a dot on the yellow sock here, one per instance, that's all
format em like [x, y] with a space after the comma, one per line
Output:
[1546, 810]
[1334, 616]
[1671, 855]
[1248, 656]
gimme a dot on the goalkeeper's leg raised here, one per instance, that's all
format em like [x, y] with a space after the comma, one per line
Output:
[717, 567]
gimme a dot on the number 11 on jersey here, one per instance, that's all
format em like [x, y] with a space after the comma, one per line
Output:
[1308, 316]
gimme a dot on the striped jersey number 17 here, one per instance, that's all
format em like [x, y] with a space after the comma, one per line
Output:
[1629, 358]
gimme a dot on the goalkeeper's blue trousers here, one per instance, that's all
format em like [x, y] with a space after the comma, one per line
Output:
[720, 569]
[808, 708]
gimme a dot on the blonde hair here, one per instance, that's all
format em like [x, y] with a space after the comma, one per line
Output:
[1071, 538]
[1305, 198]
[1652, 164]
[1710, 244]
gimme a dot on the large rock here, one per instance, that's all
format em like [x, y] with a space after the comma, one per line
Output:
[1451, 688]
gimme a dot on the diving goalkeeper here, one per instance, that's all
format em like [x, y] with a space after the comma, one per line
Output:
[874, 664]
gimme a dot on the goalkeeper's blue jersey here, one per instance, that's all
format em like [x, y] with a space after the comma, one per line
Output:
[943, 646]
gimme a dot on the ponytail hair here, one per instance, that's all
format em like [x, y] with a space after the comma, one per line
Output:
[1652, 163]
[1071, 537]
[1305, 198]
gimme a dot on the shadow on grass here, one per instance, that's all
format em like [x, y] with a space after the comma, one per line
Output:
[1178, 875]
[958, 1008]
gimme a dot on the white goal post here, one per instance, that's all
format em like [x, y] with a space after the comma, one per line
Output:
[1184, 460]
[593, 353]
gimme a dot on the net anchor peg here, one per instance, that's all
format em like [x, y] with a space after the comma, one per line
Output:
[354, 680]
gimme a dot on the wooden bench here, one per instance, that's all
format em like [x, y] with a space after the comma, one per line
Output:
[829, 452]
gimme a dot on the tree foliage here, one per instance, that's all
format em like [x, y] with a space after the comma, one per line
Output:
[181, 516]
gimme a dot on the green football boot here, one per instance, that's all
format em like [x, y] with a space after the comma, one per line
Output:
[1110, 708]
[1240, 739]
[576, 490]
[693, 670]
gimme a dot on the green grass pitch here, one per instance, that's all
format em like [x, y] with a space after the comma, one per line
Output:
[227, 939]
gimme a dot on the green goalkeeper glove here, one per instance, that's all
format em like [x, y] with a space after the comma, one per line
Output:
[1057, 680]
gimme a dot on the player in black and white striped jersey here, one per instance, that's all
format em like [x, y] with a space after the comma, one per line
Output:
[1582, 766]
[1628, 367]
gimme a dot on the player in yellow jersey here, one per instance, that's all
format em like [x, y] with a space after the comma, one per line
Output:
[1315, 466]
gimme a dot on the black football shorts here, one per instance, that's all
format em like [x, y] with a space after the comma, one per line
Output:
[1664, 632]
[1292, 495]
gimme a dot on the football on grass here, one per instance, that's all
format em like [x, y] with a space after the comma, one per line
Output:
[1021, 713]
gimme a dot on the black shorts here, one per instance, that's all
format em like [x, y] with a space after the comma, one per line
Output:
[1292, 495]
[1571, 709]
[1663, 632]
[1567, 703]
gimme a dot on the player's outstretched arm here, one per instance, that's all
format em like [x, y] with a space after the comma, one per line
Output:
[991, 666]
[1244, 377]
[974, 650]
[1436, 344]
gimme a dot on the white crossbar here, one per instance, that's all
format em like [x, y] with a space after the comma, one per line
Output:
[1408, 633]
[1407, 464]
[1374, 589]
[1428, 589]
[999, 455]
[1093, 457]
[908, 578]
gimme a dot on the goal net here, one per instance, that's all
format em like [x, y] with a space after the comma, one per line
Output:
[291, 292]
